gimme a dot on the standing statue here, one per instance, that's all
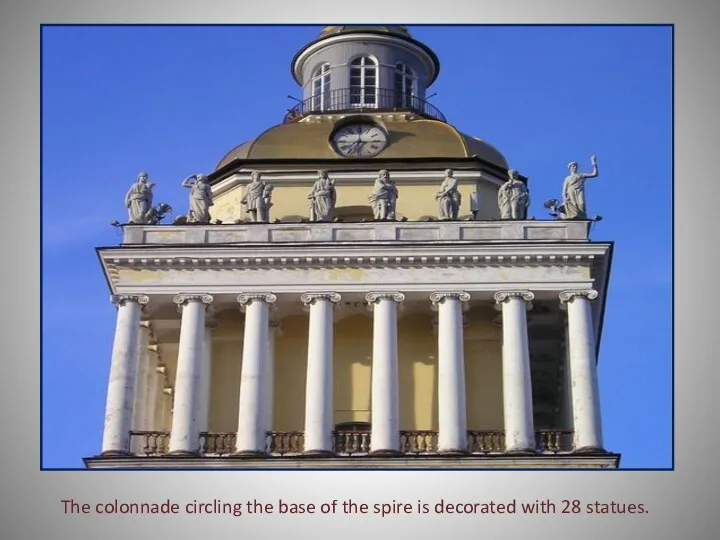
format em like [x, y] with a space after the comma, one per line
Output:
[257, 198]
[513, 198]
[201, 198]
[384, 197]
[574, 191]
[322, 198]
[139, 199]
[449, 197]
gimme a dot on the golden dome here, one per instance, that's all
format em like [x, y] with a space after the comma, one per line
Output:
[412, 139]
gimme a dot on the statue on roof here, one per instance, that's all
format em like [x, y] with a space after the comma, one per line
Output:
[574, 191]
[139, 199]
[513, 198]
[322, 198]
[449, 198]
[257, 198]
[201, 198]
[138, 202]
[383, 199]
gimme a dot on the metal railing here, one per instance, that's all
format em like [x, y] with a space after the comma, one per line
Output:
[363, 100]
[351, 442]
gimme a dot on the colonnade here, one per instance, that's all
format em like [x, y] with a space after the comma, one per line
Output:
[192, 383]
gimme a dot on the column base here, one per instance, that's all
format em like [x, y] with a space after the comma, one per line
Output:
[183, 453]
[453, 452]
[521, 452]
[385, 452]
[589, 450]
[318, 453]
[115, 453]
[249, 454]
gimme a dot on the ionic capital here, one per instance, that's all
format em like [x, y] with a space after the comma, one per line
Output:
[310, 298]
[503, 296]
[440, 297]
[245, 299]
[122, 299]
[183, 299]
[568, 296]
[373, 297]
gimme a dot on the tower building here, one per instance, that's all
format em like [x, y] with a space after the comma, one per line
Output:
[355, 296]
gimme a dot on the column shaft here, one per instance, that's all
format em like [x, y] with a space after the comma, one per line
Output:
[583, 371]
[123, 367]
[184, 430]
[251, 412]
[452, 412]
[270, 376]
[385, 421]
[142, 381]
[154, 389]
[205, 382]
[319, 385]
[517, 389]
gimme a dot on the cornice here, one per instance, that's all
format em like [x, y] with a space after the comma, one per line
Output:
[313, 256]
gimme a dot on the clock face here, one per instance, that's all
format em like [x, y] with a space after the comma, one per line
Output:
[359, 140]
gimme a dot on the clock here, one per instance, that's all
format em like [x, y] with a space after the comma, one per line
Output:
[362, 140]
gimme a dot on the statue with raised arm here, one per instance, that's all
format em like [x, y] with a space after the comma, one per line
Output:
[383, 198]
[322, 198]
[201, 198]
[257, 198]
[574, 190]
[513, 198]
[449, 197]
[139, 199]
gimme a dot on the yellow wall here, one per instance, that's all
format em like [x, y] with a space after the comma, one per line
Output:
[417, 371]
[414, 201]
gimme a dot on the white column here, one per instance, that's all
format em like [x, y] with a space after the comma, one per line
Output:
[452, 413]
[154, 388]
[385, 420]
[319, 410]
[269, 393]
[517, 388]
[583, 371]
[205, 379]
[184, 431]
[123, 366]
[251, 415]
[142, 373]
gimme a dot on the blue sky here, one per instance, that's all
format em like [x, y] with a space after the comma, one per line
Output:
[174, 100]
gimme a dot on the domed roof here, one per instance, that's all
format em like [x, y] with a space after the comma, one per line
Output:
[413, 139]
[400, 31]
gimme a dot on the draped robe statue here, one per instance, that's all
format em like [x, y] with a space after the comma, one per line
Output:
[139, 199]
[201, 198]
[383, 199]
[257, 198]
[513, 198]
[449, 198]
[574, 190]
[322, 198]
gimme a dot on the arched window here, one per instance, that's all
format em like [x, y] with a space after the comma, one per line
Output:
[321, 87]
[404, 85]
[363, 82]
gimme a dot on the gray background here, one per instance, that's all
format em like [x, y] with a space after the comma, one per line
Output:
[681, 502]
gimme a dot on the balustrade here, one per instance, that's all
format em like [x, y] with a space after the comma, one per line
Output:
[354, 442]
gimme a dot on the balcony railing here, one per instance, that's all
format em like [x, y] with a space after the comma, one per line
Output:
[371, 100]
[351, 443]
